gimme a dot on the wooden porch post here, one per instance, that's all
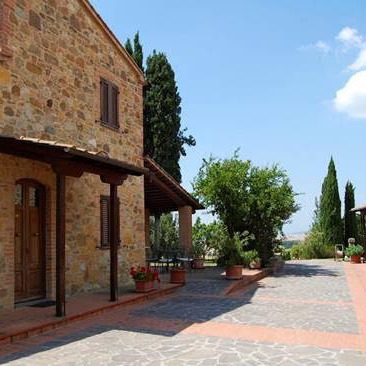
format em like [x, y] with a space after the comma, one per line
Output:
[363, 228]
[113, 245]
[60, 245]
[114, 180]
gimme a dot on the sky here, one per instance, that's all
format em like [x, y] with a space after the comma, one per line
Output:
[284, 81]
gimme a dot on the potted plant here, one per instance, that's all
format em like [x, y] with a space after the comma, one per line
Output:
[178, 274]
[232, 255]
[144, 278]
[199, 251]
[355, 252]
[252, 260]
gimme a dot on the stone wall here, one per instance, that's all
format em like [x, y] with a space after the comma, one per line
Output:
[49, 89]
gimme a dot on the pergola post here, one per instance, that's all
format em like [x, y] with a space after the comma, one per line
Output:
[147, 228]
[185, 229]
[363, 228]
[60, 245]
[157, 217]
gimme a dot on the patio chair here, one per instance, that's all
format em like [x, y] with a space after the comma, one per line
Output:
[338, 252]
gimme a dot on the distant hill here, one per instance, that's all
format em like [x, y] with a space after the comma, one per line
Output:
[290, 239]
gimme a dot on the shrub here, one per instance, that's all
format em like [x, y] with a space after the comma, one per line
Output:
[249, 256]
[296, 251]
[313, 247]
[285, 253]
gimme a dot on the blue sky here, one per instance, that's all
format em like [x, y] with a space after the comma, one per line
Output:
[263, 76]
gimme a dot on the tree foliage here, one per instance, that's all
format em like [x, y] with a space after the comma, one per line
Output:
[169, 233]
[163, 138]
[350, 223]
[207, 238]
[330, 208]
[136, 51]
[247, 198]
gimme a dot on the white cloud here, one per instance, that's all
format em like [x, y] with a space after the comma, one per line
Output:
[350, 37]
[320, 46]
[360, 62]
[351, 99]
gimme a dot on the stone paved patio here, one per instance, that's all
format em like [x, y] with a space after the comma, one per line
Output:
[312, 314]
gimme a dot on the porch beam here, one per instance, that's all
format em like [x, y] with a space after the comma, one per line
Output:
[165, 188]
[60, 245]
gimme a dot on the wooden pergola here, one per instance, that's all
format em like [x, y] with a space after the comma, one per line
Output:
[362, 211]
[68, 160]
[164, 194]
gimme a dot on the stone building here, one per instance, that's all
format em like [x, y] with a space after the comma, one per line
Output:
[72, 205]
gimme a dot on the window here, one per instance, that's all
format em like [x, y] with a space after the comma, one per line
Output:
[109, 104]
[104, 222]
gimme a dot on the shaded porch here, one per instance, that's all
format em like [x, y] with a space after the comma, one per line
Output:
[163, 194]
[64, 161]
[26, 321]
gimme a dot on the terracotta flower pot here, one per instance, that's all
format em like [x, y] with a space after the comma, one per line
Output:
[177, 275]
[355, 258]
[234, 272]
[144, 286]
[198, 263]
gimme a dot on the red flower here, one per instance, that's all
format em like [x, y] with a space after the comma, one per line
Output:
[144, 274]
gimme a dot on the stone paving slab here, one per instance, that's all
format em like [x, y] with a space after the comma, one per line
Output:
[116, 347]
[307, 317]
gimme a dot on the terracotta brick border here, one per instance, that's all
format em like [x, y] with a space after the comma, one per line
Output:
[57, 322]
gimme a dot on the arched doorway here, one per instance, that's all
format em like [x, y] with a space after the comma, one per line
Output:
[29, 240]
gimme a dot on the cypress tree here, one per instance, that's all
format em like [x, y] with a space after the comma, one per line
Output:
[330, 208]
[350, 224]
[163, 138]
[135, 51]
[128, 47]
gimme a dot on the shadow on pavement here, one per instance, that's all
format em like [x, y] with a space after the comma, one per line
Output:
[200, 300]
[300, 269]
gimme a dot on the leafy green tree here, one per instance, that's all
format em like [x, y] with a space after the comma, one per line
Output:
[330, 208]
[169, 233]
[350, 223]
[272, 202]
[247, 199]
[163, 138]
[207, 238]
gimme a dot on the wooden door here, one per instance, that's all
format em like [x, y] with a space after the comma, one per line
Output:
[29, 241]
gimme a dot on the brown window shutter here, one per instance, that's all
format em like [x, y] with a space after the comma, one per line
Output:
[104, 221]
[114, 106]
[119, 223]
[104, 99]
